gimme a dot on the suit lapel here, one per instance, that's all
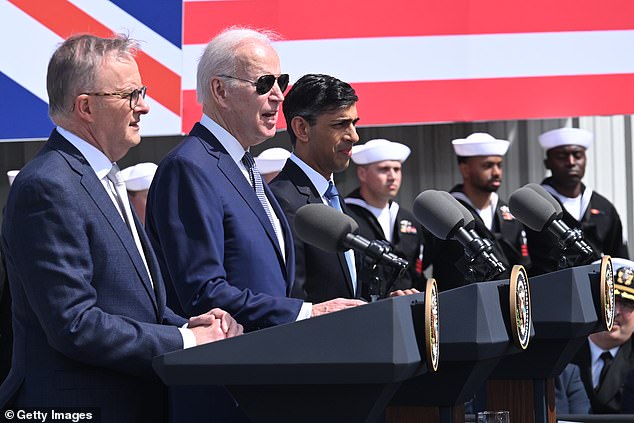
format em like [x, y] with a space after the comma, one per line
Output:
[236, 178]
[98, 194]
[306, 188]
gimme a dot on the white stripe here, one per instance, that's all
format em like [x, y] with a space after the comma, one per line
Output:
[110, 15]
[449, 57]
[160, 120]
[27, 47]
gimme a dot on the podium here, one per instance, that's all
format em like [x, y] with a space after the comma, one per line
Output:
[344, 366]
[475, 334]
[568, 305]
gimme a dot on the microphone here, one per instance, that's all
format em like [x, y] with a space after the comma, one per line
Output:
[537, 211]
[445, 217]
[469, 225]
[333, 231]
[545, 194]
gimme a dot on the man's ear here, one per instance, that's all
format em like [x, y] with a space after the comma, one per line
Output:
[301, 129]
[464, 170]
[83, 108]
[218, 90]
[546, 163]
[361, 171]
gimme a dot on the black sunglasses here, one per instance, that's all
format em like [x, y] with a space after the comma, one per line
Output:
[265, 83]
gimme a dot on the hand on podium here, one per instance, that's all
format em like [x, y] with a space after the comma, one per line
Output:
[334, 305]
[401, 292]
[214, 325]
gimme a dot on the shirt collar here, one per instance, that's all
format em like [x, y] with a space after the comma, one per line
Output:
[319, 182]
[95, 157]
[596, 351]
[228, 141]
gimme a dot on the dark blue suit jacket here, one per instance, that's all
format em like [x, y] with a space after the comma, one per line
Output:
[86, 320]
[214, 241]
[321, 276]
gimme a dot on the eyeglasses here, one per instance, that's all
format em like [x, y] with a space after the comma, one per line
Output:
[265, 83]
[133, 95]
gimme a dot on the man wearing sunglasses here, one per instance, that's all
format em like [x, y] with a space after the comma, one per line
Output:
[222, 236]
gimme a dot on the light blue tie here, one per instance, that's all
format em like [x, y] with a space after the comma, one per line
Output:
[256, 181]
[332, 195]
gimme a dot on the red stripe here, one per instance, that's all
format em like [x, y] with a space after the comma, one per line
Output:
[396, 103]
[65, 19]
[357, 19]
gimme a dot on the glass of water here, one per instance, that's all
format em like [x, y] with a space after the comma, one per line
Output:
[492, 417]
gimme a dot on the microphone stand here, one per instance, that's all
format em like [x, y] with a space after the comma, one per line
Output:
[375, 273]
[571, 238]
[476, 251]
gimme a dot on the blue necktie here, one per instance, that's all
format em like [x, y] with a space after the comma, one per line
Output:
[256, 181]
[332, 195]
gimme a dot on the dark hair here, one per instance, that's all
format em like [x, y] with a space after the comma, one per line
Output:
[313, 95]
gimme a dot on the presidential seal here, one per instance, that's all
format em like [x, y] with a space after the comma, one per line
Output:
[607, 291]
[432, 328]
[520, 306]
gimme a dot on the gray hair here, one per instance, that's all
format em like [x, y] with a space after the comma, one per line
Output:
[219, 57]
[74, 65]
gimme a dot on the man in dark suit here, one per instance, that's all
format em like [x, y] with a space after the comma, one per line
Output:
[607, 357]
[584, 208]
[219, 233]
[89, 302]
[321, 115]
[379, 171]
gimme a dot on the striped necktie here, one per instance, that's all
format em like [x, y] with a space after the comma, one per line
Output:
[332, 195]
[121, 195]
[256, 182]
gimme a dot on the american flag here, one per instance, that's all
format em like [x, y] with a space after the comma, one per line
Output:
[409, 61]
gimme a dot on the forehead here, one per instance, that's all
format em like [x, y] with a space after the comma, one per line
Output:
[118, 69]
[342, 113]
[481, 160]
[258, 57]
[566, 150]
[391, 164]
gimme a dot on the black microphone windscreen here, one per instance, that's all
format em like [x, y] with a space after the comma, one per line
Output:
[437, 213]
[548, 196]
[469, 221]
[323, 226]
[532, 209]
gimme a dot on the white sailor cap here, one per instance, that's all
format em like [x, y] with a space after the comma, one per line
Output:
[272, 160]
[11, 174]
[138, 177]
[565, 136]
[480, 144]
[379, 150]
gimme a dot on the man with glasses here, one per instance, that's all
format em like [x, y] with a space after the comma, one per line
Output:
[607, 357]
[221, 235]
[89, 301]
